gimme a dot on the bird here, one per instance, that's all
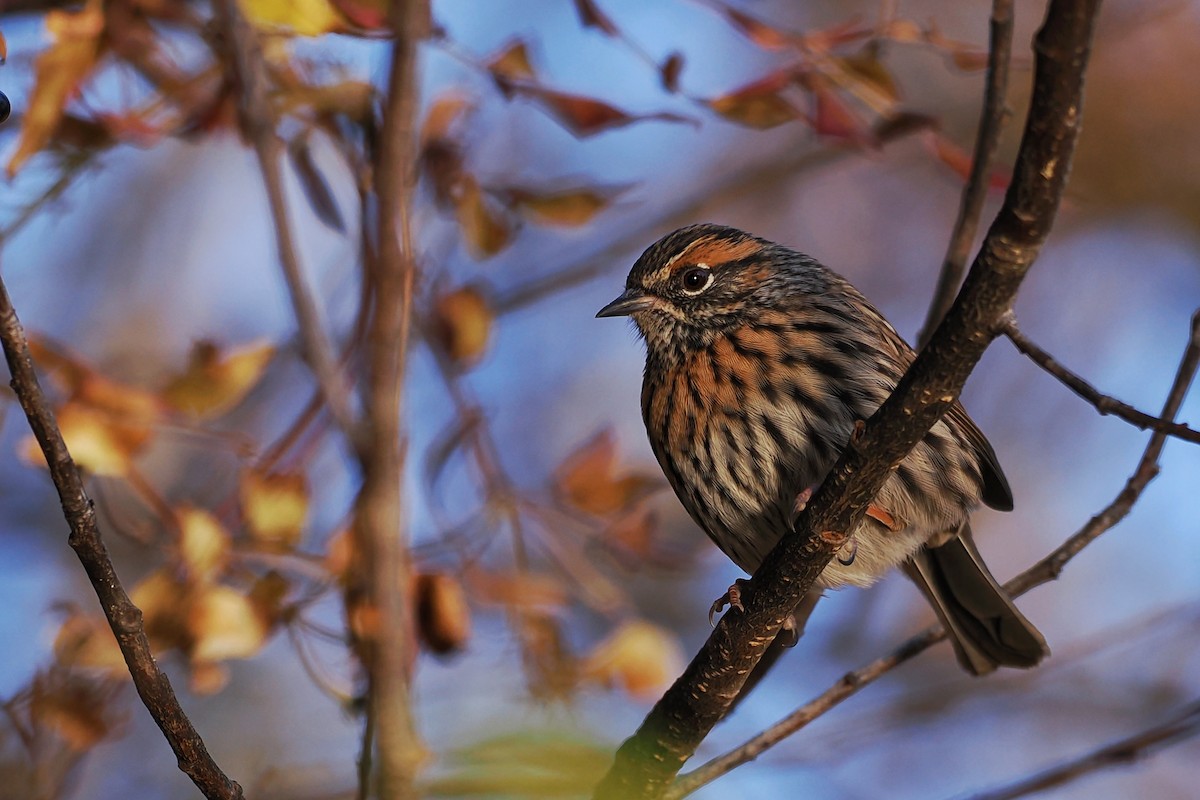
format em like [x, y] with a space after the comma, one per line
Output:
[760, 363]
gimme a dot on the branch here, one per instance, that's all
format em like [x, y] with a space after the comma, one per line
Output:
[1044, 571]
[1178, 728]
[1103, 403]
[987, 140]
[389, 643]
[123, 616]
[647, 762]
[254, 105]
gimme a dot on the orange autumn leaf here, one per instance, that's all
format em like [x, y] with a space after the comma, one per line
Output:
[567, 207]
[366, 15]
[215, 381]
[519, 589]
[483, 227]
[274, 506]
[462, 322]
[639, 657]
[59, 71]
[866, 67]
[163, 599]
[960, 161]
[759, 104]
[586, 478]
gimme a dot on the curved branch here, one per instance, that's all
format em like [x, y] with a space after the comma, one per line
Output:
[1103, 403]
[125, 619]
[648, 761]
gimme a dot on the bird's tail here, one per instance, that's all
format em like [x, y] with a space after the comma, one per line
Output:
[984, 626]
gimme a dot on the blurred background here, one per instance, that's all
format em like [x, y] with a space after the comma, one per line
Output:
[534, 497]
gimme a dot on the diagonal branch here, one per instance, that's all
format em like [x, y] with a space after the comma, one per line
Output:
[123, 616]
[257, 123]
[1178, 728]
[1040, 573]
[987, 140]
[648, 761]
[1103, 403]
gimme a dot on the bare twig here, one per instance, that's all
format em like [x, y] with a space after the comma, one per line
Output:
[1044, 571]
[1178, 728]
[123, 616]
[1103, 403]
[389, 644]
[259, 126]
[646, 763]
[987, 140]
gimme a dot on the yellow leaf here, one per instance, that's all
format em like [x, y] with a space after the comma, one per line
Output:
[59, 69]
[203, 543]
[485, 231]
[87, 641]
[569, 208]
[274, 506]
[224, 624]
[639, 657]
[462, 322]
[301, 17]
[513, 62]
[215, 382]
[99, 442]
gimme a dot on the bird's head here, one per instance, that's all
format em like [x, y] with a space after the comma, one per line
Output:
[695, 283]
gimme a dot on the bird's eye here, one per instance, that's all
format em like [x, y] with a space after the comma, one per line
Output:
[696, 280]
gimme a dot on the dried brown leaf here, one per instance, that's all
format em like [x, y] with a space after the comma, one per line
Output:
[518, 589]
[512, 63]
[757, 31]
[566, 207]
[77, 708]
[203, 543]
[86, 641]
[592, 17]
[586, 478]
[224, 624]
[443, 614]
[316, 188]
[670, 70]
[586, 116]
[834, 118]
[759, 104]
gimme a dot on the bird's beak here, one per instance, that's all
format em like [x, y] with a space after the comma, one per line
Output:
[631, 301]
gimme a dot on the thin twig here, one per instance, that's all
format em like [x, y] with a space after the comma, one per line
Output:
[1103, 403]
[1044, 571]
[987, 141]
[259, 126]
[123, 616]
[1178, 728]
[388, 645]
[646, 764]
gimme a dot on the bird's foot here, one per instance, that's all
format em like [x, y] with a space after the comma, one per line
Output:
[731, 598]
[846, 553]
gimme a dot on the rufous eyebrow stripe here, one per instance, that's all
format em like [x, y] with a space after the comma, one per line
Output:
[713, 251]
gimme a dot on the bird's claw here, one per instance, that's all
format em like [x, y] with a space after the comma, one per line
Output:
[845, 555]
[731, 598]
